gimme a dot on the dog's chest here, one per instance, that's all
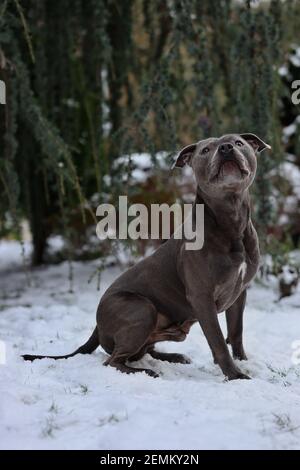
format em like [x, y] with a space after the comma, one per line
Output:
[232, 276]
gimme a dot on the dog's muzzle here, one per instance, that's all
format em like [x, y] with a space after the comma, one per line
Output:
[226, 153]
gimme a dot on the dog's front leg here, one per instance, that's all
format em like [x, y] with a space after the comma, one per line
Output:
[206, 313]
[234, 319]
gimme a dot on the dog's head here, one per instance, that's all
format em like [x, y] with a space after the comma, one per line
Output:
[225, 164]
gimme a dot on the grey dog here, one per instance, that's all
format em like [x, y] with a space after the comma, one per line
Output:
[162, 296]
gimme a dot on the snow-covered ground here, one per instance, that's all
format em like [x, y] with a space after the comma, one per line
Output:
[80, 404]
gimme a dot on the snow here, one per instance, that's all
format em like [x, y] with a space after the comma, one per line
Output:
[291, 172]
[290, 130]
[80, 404]
[11, 254]
[283, 71]
[289, 274]
[141, 164]
[295, 57]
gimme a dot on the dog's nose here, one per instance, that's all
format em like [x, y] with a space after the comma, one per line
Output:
[226, 149]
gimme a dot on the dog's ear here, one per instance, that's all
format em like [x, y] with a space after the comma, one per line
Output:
[256, 143]
[184, 156]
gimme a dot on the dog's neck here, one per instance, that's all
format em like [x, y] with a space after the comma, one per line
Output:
[231, 213]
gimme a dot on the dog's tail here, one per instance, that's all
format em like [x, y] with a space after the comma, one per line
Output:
[87, 348]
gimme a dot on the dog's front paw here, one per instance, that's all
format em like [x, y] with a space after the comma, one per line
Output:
[237, 350]
[238, 375]
[240, 355]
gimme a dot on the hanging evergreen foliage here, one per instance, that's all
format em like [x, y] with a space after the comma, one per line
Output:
[90, 80]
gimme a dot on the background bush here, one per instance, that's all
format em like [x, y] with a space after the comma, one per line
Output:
[91, 80]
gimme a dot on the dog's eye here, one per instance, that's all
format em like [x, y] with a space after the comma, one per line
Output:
[239, 143]
[205, 150]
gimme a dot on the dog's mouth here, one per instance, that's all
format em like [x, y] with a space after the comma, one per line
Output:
[230, 169]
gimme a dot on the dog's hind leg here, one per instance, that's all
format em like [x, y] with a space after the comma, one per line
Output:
[136, 323]
[175, 332]
[169, 357]
[119, 364]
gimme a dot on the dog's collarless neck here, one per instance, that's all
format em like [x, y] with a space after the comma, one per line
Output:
[232, 213]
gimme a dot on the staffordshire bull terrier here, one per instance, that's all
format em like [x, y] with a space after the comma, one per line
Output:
[162, 296]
